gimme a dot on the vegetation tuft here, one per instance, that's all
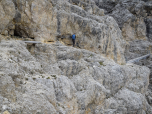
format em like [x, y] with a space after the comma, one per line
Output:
[34, 78]
[48, 78]
[54, 76]
[101, 63]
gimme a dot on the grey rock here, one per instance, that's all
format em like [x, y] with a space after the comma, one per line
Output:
[7, 14]
[60, 19]
[56, 78]
[42, 82]
[134, 19]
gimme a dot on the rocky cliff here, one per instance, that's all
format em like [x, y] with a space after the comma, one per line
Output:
[134, 18]
[52, 20]
[55, 78]
[92, 78]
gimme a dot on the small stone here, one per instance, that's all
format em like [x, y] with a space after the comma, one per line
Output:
[11, 32]
[5, 32]
[6, 112]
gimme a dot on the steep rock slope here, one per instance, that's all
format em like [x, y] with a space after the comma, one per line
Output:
[59, 79]
[52, 20]
[135, 20]
[133, 16]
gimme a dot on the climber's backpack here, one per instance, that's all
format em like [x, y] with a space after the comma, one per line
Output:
[73, 36]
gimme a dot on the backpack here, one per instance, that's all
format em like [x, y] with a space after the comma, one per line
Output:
[73, 36]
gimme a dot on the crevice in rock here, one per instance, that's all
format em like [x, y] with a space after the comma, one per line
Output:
[21, 33]
[31, 48]
[50, 41]
[16, 33]
[107, 6]
[148, 28]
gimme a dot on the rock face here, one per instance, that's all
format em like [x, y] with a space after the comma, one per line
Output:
[53, 20]
[134, 18]
[139, 48]
[61, 79]
[7, 13]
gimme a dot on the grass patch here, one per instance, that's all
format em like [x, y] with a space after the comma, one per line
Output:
[32, 72]
[34, 78]
[42, 76]
[26, 78]
[58, 104]
[122, 63]
[101, 63]
[91, 55]
[48, 78]
[54, 76]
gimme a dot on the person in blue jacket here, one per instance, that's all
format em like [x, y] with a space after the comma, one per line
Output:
[73, 39]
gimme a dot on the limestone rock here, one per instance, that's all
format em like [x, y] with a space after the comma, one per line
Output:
[6, 112]
[61, 79]
[53, 20]
[149, 27]
[137, 49]
[7, 13]
[133, 26]
[134, 18]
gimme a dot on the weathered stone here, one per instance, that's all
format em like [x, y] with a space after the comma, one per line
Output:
[6, 112]
[5, 32]
[49, 21]
[11, 32]
[56, 78]
[62, 79]
[134, 18]
[7, 13]
[130, 15]
[148, 22]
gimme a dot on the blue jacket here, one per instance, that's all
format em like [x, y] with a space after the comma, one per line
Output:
[73, 36]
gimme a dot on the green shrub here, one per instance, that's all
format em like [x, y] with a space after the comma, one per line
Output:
[34, 78]
[101, 63]
[54, 76]
[48, 78]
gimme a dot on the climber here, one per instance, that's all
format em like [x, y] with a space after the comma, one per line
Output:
[73, 39]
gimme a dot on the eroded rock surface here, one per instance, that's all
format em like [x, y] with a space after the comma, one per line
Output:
[7, 14]
[134, 18]
[52, 20]
[56, 78]
[61, 79]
